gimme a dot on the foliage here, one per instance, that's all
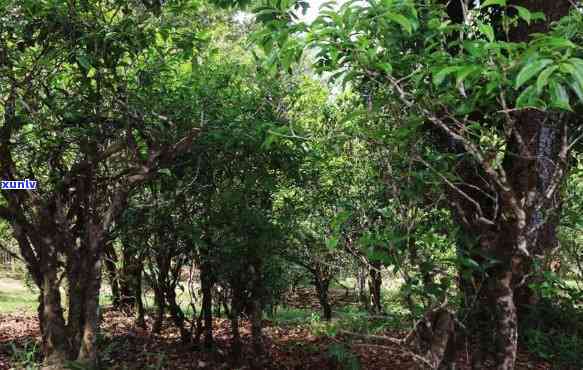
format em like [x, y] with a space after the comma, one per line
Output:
[25, 357]
[385, 142]
[553, 332]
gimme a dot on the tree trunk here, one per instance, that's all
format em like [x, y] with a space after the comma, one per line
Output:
[257, 308]
[137, 288]
[506, 321]
[236, 305]
[75, 302]
[236, 340]
[54, 345]
[161, 306]
[435, 338]
[130, 282]
[207, 304]
[199, 326]
[88, 349]
[375, 284]
[177, 314]
[77, 339]
[257, 327]
[322, 285]
[110, 261]
[131, 272]
[361, 288]
[158, 278]
[544, 241]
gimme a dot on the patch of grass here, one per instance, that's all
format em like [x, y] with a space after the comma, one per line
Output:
[16, 297]
[290, 315]
[356, 320]
[18, 302]
[352, 317]
[396, 318]
[25, 356]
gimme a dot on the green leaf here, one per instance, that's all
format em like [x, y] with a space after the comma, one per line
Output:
[470, 263]
[543, 78]
[385, 67]
[559, 96]
[555, 42]
[334, 76]
[530, 70]
[84, 61]
[463, 73]
[443, 73]
[165, 171]
[526, 98]
[267, 15]
[493, 2]
[350, 76]
[576, 70]
[475, 48]
[267, 143]
[402, 21]
[433, 24]
[577, 62]
[332, 242]
[523, 13]
[328, 5]
[538, 16]
[578, 89]
[488, 31]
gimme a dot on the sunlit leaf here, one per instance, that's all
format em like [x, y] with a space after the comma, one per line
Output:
[402, 21]
[559, 96]
[464, 72]
[526, 98]
[488, 31]
[441, 74]
[530, 70]
[523, 13]
[543, 78]
[493, 2]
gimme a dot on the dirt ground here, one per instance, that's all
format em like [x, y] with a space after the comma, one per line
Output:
[287, 346]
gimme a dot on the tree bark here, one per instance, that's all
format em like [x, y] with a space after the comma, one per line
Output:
[160, 267]
[435, 338]
[257, 293]
[236, 304]
[544, 241]
[161, 307]
[88, 349]
[137, 289]
[375, 285]
[206, 283]
[322, 286]
[75, 302]
[363, 297]
[177, 314]
[54, 345]
[113, 276]
[506, 320]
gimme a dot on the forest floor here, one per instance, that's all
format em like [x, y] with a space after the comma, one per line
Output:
[294, 339]
[15, 296]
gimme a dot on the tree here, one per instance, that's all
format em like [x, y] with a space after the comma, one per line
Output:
[69, 94]
[475, 84]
